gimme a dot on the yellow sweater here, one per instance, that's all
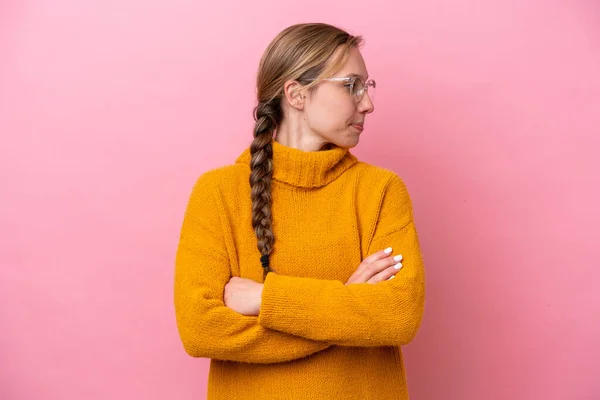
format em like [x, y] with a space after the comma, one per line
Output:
[314, 338]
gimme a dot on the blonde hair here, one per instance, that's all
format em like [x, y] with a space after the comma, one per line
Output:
[301, 52]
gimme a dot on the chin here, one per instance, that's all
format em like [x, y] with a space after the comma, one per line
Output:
[346, 139]
[352, 139]
[347, 142]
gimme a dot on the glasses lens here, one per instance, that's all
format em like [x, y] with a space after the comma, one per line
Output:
[370, 88]
[358, 88]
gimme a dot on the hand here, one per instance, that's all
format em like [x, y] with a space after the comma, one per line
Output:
[377, 267]
[243, 295]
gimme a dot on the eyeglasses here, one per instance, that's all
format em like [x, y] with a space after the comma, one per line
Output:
[356, 86]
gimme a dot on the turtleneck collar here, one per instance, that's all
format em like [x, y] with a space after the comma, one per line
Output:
[307, 169]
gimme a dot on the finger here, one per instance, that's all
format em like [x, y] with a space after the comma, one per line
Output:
[386, 274]
[378, 256]
[382, 254]
[380, 266]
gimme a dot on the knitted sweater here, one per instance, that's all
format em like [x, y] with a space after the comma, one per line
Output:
[315, 337]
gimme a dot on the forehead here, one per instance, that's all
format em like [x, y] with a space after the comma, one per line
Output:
[354, 65]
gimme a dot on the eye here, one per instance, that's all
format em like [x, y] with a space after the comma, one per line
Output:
[357, 85]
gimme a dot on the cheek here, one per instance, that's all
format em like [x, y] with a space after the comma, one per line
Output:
[333, 114]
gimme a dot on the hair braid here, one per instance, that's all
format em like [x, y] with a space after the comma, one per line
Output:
[267, 115]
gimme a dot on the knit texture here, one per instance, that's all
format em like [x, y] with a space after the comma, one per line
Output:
[315, 338]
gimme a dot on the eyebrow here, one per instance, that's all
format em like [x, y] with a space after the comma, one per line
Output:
[357, 76]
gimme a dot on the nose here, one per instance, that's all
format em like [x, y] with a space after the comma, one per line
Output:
[366, 104]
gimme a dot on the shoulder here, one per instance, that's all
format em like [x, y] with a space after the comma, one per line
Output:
[378, 178]
[382, 192]
[223, 177]
[218, 185]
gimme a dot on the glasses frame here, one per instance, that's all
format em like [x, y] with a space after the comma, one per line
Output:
[352, 79]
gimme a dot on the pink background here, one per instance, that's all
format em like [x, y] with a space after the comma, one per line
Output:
[109, 111]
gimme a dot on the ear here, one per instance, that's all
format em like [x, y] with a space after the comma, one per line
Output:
[294, 94]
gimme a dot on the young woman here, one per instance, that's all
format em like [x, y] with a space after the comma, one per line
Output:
[285, 262]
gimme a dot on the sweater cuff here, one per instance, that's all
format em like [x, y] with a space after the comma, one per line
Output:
[287, 301]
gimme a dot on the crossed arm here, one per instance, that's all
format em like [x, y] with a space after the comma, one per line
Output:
[298, 316]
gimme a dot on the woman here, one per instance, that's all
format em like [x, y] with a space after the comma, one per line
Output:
[285, 262]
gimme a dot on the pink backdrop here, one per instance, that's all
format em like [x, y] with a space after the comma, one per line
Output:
[109, 111]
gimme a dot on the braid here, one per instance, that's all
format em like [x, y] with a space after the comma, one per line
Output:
[267, 115]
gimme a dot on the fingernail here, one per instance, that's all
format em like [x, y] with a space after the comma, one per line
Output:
[388, 250]
[398, 266]
[393, 276]
[398, 257]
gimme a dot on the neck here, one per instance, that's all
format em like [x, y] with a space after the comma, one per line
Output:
[291, 133]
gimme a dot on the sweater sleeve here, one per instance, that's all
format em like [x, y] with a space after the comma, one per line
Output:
[388, 313]
[206, 326]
